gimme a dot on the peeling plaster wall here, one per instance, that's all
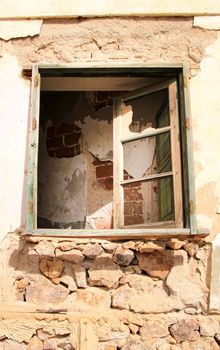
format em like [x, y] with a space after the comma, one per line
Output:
[103, 276]
[205, 102]
[14, 108]
[132, 40]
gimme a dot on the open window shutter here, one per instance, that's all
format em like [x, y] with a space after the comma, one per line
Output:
[31, 209]
[173, 133]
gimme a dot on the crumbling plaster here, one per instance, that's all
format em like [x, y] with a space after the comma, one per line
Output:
[19, 28]
[113, 40]
[205, 104]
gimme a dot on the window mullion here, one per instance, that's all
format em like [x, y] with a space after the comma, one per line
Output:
[175, 152]
[118, 173]
[147, 178]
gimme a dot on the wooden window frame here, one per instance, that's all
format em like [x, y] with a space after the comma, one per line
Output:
[119, 142]
[181, 71]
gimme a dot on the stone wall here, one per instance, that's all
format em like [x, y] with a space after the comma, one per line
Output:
[127, 295]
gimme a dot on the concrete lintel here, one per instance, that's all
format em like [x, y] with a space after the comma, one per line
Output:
[86, 8]
[214, 304]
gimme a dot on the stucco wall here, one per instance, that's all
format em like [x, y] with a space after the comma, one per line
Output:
[114, 40]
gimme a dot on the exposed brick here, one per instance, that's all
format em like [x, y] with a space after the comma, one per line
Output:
[65, 152]
[132, 194]
[134, 219]
[128, 207]
[104, 223]
[137, 207]
[51, 131]
[108, 183]
[54, 143]
[64, 128]
[72, 139]
[96, 162]
[52, 153]
[104, 171]
[134, 184]
[77, 149]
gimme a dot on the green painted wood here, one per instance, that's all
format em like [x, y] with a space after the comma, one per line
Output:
[147, 90]
[147, 178]
[124, 233]
[164, 163]
[146, 134]
[44, 65]
[183, 145]
[31, 199]
[190, 158]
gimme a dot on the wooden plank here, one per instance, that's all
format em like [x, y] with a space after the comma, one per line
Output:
[35, 127]
[118, 173]
[184, 158]
[190, 158]
[147, 178]
[31, 199]
[165, 224]
[175, 151]
[146, 134]
[156, 65]
[111, 233]
[146, 90]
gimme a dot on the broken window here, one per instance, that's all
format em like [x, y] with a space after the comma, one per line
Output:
[110, 151]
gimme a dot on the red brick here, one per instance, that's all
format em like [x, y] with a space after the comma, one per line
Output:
[64, 128]
[54, 143]
[77, 149]
[52, 153]
[104, 171]
[104, 223]
[65, 152]
[72, 139]
[134, 219]
[50, 131]
[137, 208]
[134, 184]
[132, 194]
[128, 207]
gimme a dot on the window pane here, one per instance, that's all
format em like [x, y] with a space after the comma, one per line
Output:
[151, 155]
[148, 202]
[145, 113]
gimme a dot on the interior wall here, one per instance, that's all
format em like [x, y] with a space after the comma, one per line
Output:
[75, 178]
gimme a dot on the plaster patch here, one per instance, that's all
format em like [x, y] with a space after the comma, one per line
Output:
[214, 303]
[205, 103]
[207, 22]
[14, 93]
[19, 28]
[97, 137]
[204, 221]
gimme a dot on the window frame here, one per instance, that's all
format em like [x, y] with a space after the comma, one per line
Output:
[118, 143]
[181, 71]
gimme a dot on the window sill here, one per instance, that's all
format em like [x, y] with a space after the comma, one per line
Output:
[123, 234]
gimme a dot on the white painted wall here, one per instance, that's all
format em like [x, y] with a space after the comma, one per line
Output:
[205, 104]
[14, 105]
